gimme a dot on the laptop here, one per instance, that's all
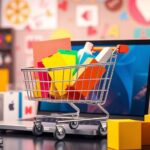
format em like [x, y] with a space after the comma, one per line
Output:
[128, 95]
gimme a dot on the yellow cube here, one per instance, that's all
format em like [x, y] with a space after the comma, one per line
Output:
[124, 134]
[145, 133]
[4, 79]
[147, 118]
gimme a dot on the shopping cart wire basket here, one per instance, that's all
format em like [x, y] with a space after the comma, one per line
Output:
[89, 85]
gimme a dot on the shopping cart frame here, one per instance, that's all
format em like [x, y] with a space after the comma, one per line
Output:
[72, 118]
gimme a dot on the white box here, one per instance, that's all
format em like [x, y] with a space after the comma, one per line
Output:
[9, 105]
[27, 108]
[15, 105]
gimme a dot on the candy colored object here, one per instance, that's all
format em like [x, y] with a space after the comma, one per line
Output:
[70, 58]
[124, 134]
[72, 94]
[58, 76]
[88, 79]
[4, 79]
[44, 81]
[36, 90]
[145, 133]
[120, 48]
[147, 118]
[47, 85]
[42, 49]
[84, 57]
[87, 49]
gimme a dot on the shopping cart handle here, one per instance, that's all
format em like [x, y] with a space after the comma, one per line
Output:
[120, 48]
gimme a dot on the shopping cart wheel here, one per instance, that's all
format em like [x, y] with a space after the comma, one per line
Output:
[102, 131]
[38, 128]
[60, 133]
[73, 124]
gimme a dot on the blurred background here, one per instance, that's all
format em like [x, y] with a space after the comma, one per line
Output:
[24, 21]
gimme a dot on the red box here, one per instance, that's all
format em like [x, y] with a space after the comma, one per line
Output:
[89, 78]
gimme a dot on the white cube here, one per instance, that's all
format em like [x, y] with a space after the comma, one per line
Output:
[9, 105]
[15, 105]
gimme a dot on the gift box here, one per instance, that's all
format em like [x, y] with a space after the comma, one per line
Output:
[70, 58]
[88, 77]
[27, 108]
[124, 134]
[44, 80]
[145, 133]
[9, 103]
[4, 80]
[60, 77]
[15, 105]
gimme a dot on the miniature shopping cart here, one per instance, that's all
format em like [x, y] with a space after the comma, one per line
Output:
[80, 84]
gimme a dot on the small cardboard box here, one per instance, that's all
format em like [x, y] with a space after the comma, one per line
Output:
[27, 108]
[124, 134]
[15, 105]
[9, 105]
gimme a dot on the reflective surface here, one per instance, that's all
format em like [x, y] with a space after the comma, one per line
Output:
[26, 141]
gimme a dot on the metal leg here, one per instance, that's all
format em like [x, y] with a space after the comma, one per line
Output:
[78, 119]
[104, 111]
[75, 108]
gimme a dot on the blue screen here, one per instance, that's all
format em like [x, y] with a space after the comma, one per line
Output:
[127, 94]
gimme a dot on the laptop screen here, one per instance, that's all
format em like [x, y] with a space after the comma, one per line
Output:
[129, 91]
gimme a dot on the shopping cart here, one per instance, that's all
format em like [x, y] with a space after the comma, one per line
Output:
[89, 88]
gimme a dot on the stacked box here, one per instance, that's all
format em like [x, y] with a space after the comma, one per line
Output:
[124, 134]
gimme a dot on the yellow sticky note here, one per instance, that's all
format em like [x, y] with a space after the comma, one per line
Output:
[60, 77]
[4, 79]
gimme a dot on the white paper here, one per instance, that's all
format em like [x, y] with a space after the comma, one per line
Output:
[104, 55]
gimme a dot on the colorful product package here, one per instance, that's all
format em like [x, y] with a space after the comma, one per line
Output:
[86, 49]
[70, 58]
[4, 79]
[72, 93]
[59, 77]
[37, 90]
[102, 58]
[44, 81]
[85, 57]
[88, 77]
[42, 49]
